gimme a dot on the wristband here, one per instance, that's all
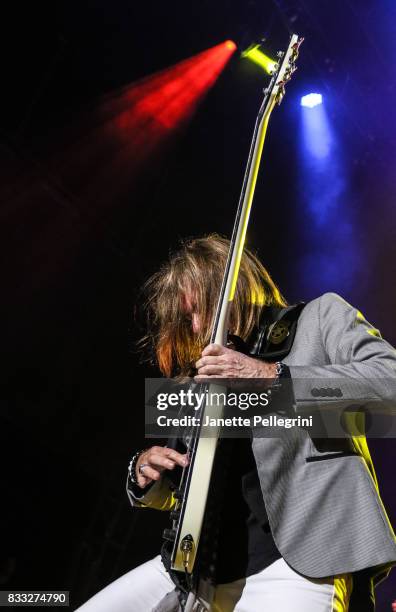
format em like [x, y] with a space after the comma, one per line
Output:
[132, 467]
[280, 370]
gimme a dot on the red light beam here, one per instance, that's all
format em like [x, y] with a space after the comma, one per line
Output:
[170, 97]
[131, 125]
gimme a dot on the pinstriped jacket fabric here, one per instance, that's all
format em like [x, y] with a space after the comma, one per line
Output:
[323, 505]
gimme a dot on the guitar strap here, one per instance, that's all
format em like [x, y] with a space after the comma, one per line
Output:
[274, 338]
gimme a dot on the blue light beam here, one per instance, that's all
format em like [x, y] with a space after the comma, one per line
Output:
[317, 136]
[332, 251]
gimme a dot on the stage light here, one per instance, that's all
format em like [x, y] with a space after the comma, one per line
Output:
[255, 54]
[311, 100]
[230, 45]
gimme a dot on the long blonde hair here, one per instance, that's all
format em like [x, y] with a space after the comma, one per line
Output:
[197, 269]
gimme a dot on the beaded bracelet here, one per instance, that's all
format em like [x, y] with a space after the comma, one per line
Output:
[132, 467]
[280, 369]
[281, 372]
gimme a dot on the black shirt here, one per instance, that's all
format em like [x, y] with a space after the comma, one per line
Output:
[245, 543]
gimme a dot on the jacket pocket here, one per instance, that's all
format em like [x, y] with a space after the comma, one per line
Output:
[335, 455]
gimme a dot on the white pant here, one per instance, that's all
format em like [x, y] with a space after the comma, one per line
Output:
[277, 588]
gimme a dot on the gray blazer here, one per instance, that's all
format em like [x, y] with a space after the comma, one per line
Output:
[323, 504]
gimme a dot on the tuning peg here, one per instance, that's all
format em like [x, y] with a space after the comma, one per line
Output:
[281, 93]
[298, 44]
[296, 48]
[294, 55]
[289, 71]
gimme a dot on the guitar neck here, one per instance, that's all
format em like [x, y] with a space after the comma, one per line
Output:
[272, 95]
[238, 239]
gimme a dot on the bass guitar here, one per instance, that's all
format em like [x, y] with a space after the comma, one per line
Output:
[192, 494]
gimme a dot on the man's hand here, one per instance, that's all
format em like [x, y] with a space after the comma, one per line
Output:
[155, 460]
[222, 362]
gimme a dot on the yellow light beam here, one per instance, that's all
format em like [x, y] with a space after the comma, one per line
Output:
[258, 57]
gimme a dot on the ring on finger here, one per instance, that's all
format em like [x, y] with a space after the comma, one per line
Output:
[141, 468]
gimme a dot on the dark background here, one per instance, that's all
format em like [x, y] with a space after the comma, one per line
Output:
[71, 413]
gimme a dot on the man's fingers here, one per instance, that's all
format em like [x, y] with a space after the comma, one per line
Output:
[208, 360]
[178, 458]
[166, 454]
[212, 370]
[154, 461]
[160, 461]
[165, 458]
[148, 473]
[214, 349]
[143, 482]
[211, 378]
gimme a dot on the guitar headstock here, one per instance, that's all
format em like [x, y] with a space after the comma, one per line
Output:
[284, 69]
